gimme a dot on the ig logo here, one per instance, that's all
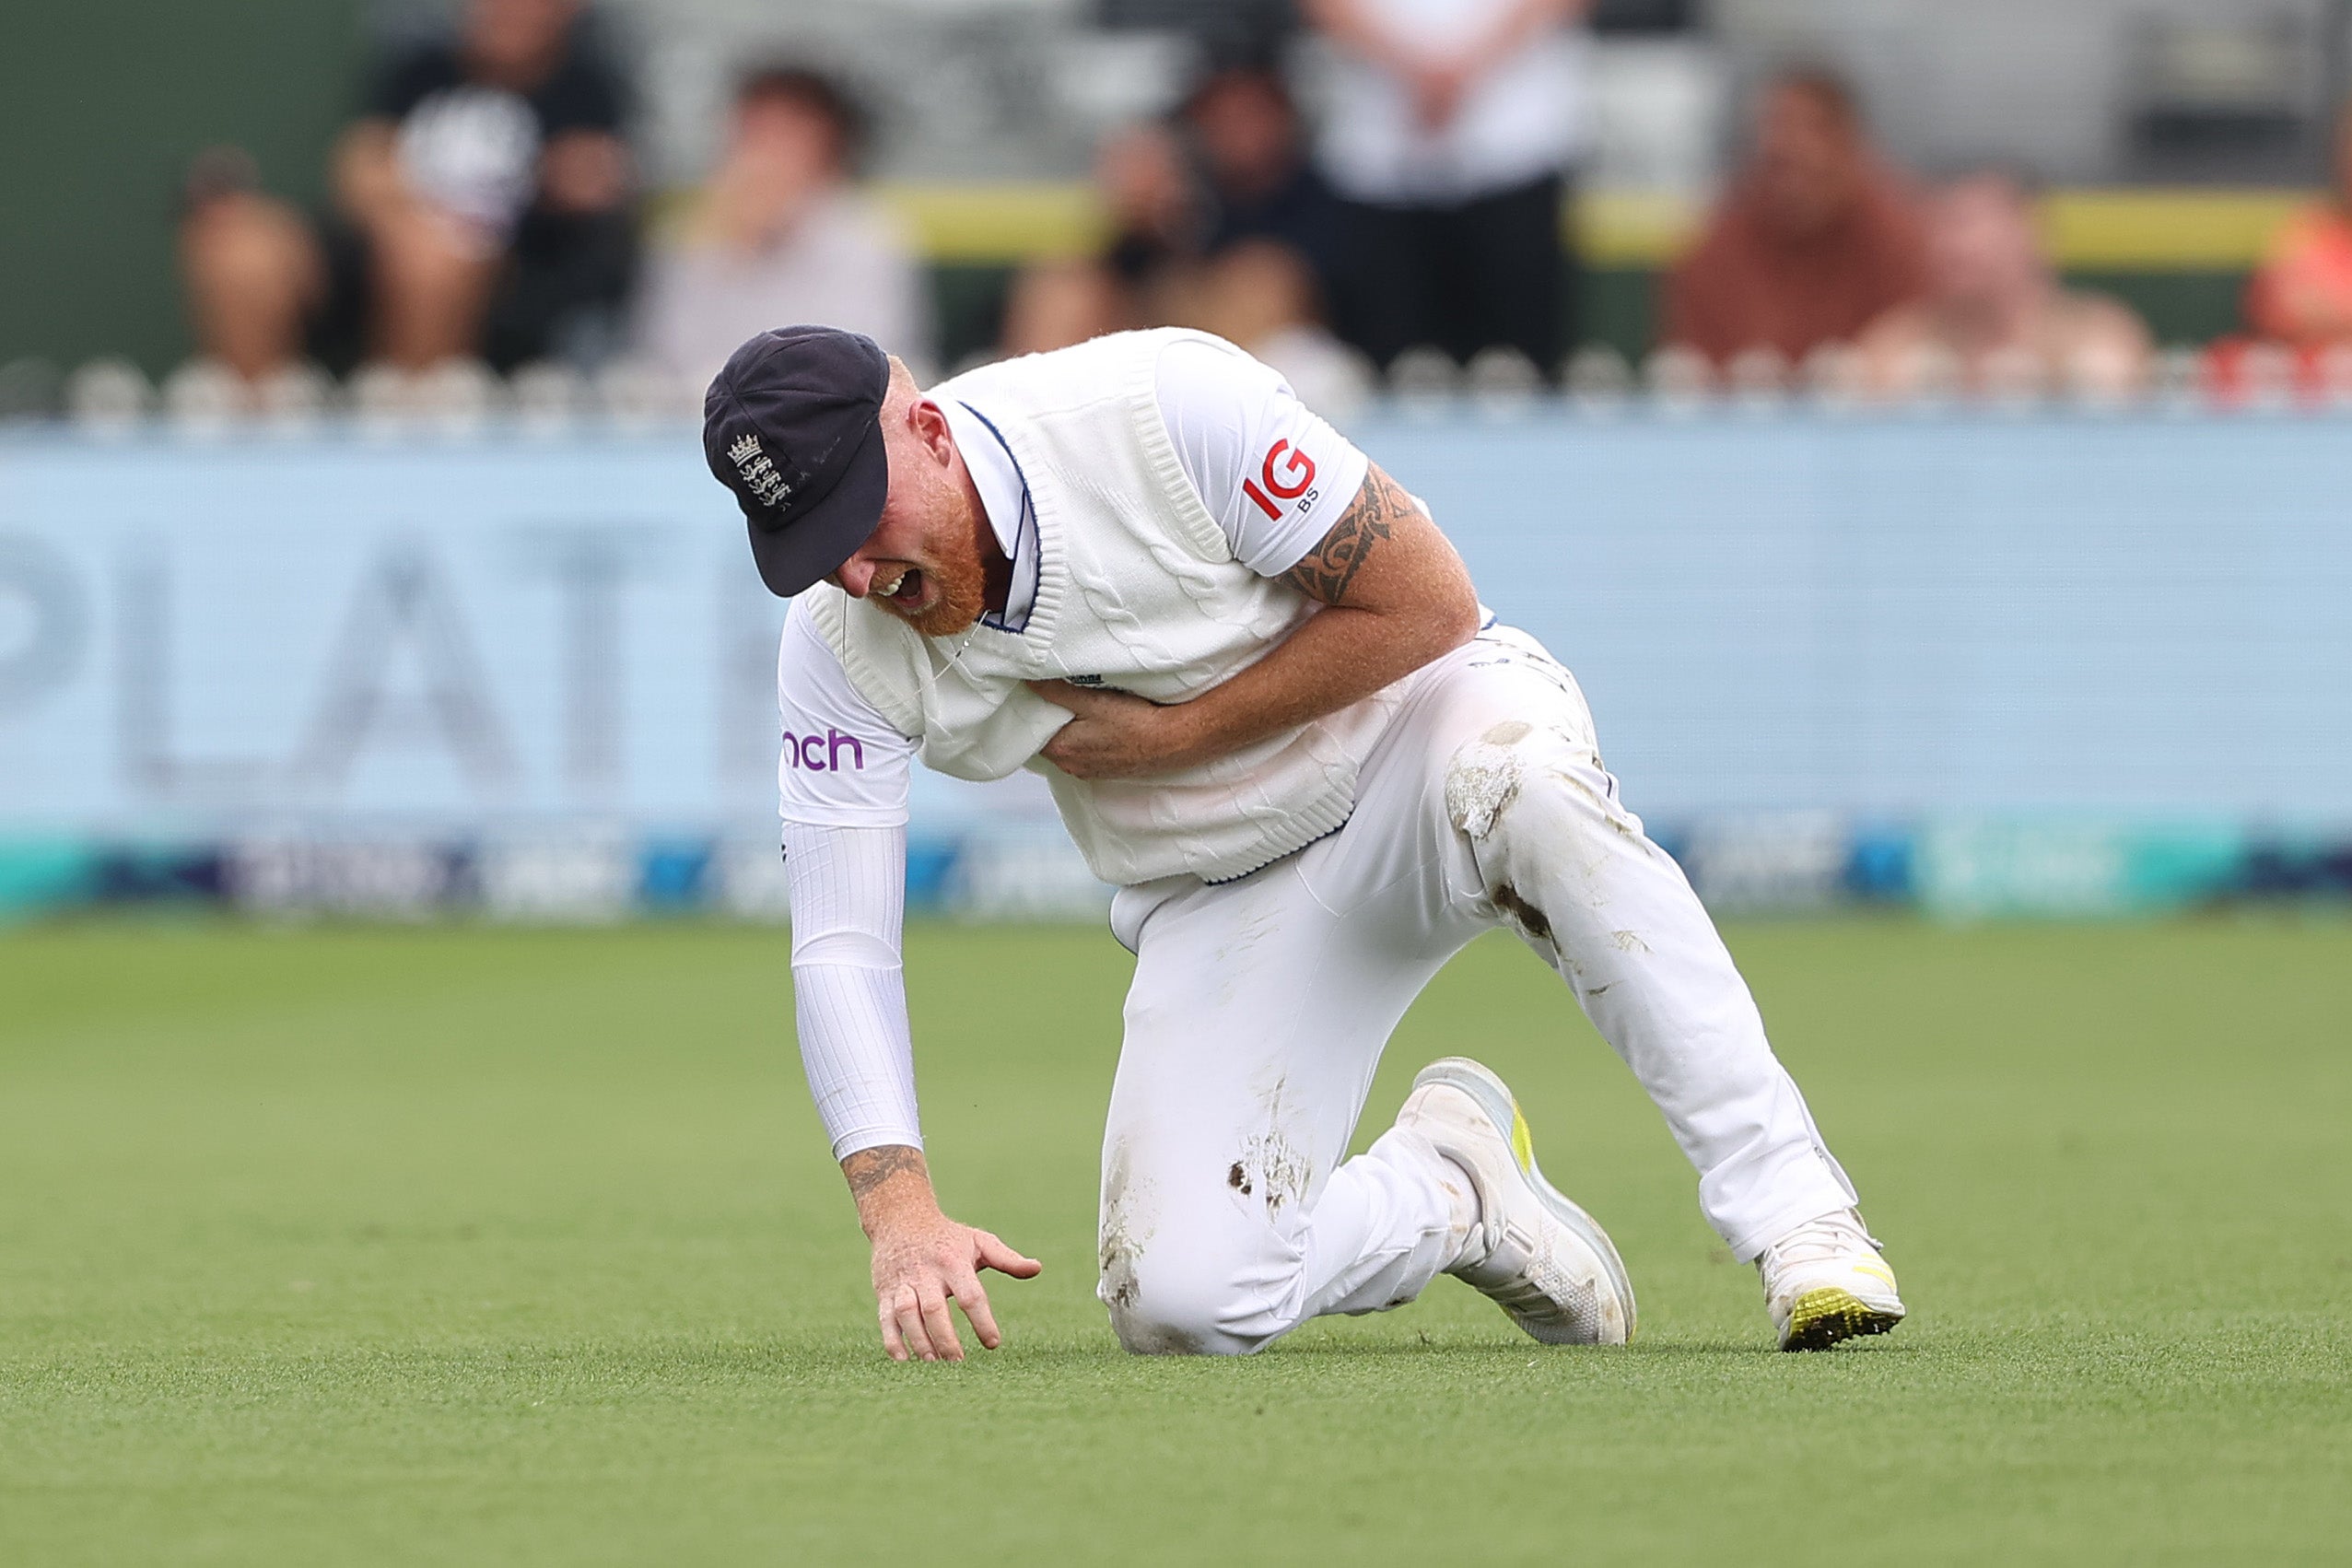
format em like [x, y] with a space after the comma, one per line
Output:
[1297, 473]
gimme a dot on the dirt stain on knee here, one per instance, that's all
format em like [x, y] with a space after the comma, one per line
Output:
[1239, 1179]
[1124, 1231]
[1629, 941]
[1127, 1226]
[1507, 732]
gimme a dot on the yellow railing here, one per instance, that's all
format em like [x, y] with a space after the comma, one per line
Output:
[2108, 229]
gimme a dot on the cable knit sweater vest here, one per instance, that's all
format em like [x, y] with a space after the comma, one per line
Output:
[1137, 589]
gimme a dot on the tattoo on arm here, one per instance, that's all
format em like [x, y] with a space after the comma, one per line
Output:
[1327, 569]
[869, 1168]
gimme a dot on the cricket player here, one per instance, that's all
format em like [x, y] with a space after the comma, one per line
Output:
[1276, 719]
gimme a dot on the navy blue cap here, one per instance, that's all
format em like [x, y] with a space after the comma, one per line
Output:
[794, 426]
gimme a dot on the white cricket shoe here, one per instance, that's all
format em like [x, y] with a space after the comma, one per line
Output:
[1543, 1260]
[1825, 1282]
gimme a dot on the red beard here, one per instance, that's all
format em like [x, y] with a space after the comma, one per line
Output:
[962, 588]
[960, 583]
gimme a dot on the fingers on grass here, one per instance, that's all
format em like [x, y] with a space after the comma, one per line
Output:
[905, 1311]
[975, 1302]
[942, 1329]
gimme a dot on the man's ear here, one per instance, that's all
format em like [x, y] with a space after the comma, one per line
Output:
[929, 422]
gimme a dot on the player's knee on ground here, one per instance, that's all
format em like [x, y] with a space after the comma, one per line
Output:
[1179, 1288]
[1174, 1316]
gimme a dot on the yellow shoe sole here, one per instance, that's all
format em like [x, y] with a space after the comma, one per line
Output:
[1821, 1318]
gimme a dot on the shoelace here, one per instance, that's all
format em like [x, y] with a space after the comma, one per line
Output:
[1824, 1240]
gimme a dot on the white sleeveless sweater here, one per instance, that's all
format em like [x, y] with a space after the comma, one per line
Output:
[1137, 589]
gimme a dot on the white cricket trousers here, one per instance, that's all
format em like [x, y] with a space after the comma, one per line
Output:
[1260, 1007]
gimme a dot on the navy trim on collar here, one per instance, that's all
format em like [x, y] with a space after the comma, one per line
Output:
[1024, 532]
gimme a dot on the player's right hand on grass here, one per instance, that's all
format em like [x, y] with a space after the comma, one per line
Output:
[922, 1260]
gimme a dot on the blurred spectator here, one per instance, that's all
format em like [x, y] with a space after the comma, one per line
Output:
[1218, 222]
[1995, 317]
[1452, 128]
[1261, 185]
[483, 207]
[1155, 209]
[2302, 293]
[780, 234]
[253, 272]
[1815, 240]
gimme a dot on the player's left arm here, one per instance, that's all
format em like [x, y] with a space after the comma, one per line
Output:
[1396, 597]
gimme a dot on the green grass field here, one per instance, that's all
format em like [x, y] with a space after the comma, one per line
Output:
[522, 1247]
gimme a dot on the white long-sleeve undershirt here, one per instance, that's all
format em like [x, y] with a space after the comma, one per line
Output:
[848, 892]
